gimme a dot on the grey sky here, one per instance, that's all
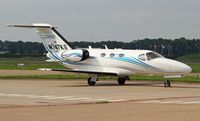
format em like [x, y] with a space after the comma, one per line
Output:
[99, 20]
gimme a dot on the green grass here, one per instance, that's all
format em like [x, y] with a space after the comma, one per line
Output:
[44, 77]
[159, 78]
[84, 77]
[23, 59]
[193, 60]
[191, 57]
[187, 79]
[195, 67]
[29, 65]
[152, 78]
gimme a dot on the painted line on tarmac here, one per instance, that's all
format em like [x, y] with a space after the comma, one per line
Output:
[192, 102]
[63, 98]
[117, 100]
[150, 101]
[89, 99]
[171, 102]
[48, 97]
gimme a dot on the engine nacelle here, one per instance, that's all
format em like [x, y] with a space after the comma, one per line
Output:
[75, 55]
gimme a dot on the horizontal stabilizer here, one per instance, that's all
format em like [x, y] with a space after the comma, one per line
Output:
[31, 26]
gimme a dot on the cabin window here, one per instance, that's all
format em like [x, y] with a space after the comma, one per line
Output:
[142, 57]
[112, 55]
[121, 55]
[103, 54]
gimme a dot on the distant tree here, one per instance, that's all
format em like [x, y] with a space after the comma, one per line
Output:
[166, 47]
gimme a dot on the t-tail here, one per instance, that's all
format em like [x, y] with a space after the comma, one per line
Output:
[53, 41]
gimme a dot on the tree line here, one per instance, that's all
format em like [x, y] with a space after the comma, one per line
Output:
[167, 47]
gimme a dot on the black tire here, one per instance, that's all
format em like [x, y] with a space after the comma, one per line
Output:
[121, 80]
[91, 83]
[167, 83]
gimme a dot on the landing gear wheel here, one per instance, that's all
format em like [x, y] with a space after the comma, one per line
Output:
[91, 83]
[121, 80]
[167, 83]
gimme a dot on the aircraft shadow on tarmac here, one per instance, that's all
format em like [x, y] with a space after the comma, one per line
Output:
[112, 84]
[147, 84]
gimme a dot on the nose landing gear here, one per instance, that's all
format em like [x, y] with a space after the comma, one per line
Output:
[167, 83]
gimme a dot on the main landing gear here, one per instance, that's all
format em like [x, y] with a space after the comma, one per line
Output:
[122, 80]
[167, 83]
[92, 80]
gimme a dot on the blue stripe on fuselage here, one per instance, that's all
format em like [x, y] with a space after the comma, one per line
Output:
[134, 61]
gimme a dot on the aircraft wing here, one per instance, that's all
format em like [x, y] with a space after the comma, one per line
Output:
[80, 71]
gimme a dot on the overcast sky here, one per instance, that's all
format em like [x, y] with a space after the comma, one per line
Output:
[101, 20]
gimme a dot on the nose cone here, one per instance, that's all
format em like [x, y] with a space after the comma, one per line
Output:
[187, 69]
[179, 67]
[170, 66]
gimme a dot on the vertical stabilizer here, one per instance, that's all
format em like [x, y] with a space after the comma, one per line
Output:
[53, 41]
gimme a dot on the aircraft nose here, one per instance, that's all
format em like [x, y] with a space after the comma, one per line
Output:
[187, 69]
[171, 66]
[181, 67]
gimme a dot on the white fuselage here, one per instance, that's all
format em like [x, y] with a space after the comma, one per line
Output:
[126, 62]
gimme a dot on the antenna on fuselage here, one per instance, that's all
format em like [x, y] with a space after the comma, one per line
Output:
[90, 47]
[106, 47]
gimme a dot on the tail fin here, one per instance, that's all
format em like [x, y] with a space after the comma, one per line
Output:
[53, 41]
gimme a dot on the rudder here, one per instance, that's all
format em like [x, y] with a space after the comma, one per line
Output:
[52, 39]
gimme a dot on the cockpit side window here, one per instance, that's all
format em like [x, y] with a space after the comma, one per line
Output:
[152, 55]
[142, 57]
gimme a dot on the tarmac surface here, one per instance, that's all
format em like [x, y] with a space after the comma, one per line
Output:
[74, 100]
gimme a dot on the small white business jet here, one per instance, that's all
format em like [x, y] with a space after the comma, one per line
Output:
[114, 62]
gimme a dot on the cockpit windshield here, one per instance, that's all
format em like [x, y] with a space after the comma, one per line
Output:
[153, 55]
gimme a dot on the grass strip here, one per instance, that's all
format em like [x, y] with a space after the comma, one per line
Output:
[144, 78]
